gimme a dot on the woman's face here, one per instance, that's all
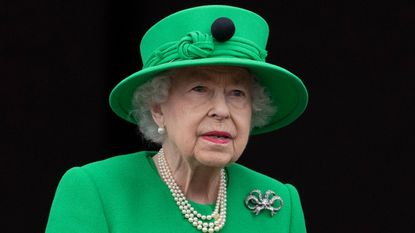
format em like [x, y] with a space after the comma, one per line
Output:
[208, 114]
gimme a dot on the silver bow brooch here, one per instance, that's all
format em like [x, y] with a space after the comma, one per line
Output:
[257, 203]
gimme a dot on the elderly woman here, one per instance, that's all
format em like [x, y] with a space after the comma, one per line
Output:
[204, 89]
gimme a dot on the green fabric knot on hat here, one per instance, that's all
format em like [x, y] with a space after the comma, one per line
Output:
[195, 45]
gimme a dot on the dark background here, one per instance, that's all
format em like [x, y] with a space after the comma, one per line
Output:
[349, 154]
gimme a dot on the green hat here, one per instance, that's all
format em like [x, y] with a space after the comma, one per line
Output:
[214, 35]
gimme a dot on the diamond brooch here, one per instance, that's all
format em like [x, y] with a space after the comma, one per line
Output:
[256, 202]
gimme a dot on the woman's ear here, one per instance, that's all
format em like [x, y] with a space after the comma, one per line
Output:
[157, 115]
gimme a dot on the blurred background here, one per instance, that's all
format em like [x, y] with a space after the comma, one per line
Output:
[349, 155]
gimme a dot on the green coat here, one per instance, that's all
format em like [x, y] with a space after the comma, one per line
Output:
[124, 194]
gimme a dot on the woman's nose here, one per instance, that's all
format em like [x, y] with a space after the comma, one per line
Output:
[219, 107]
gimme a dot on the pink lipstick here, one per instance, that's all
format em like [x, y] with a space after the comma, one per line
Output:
[219, 137]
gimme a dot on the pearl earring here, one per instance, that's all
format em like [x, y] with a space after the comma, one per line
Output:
[161, 130]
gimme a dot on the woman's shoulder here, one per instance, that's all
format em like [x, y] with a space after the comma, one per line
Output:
[121, 162]
[249, 177]
[248, 173]
[116, 168]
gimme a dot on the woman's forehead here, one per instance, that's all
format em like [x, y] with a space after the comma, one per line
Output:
[231, 74]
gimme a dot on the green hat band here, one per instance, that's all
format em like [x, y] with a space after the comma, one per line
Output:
[202, 45]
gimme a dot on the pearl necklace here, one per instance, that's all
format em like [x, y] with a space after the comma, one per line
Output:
[213, 222]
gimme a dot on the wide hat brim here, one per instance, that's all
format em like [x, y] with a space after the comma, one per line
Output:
[286, 90]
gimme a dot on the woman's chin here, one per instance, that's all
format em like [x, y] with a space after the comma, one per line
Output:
[214, 159]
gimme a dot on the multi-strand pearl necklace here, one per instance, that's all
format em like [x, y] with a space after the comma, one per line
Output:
[205, 223]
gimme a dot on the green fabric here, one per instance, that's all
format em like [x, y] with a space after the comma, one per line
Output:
[124, 194]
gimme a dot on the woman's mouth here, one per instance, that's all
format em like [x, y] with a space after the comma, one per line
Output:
[219, 137]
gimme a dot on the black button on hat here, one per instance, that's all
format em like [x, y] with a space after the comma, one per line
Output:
[222, 29]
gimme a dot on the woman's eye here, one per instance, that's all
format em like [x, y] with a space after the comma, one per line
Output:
[238, 93]
[199, 89]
